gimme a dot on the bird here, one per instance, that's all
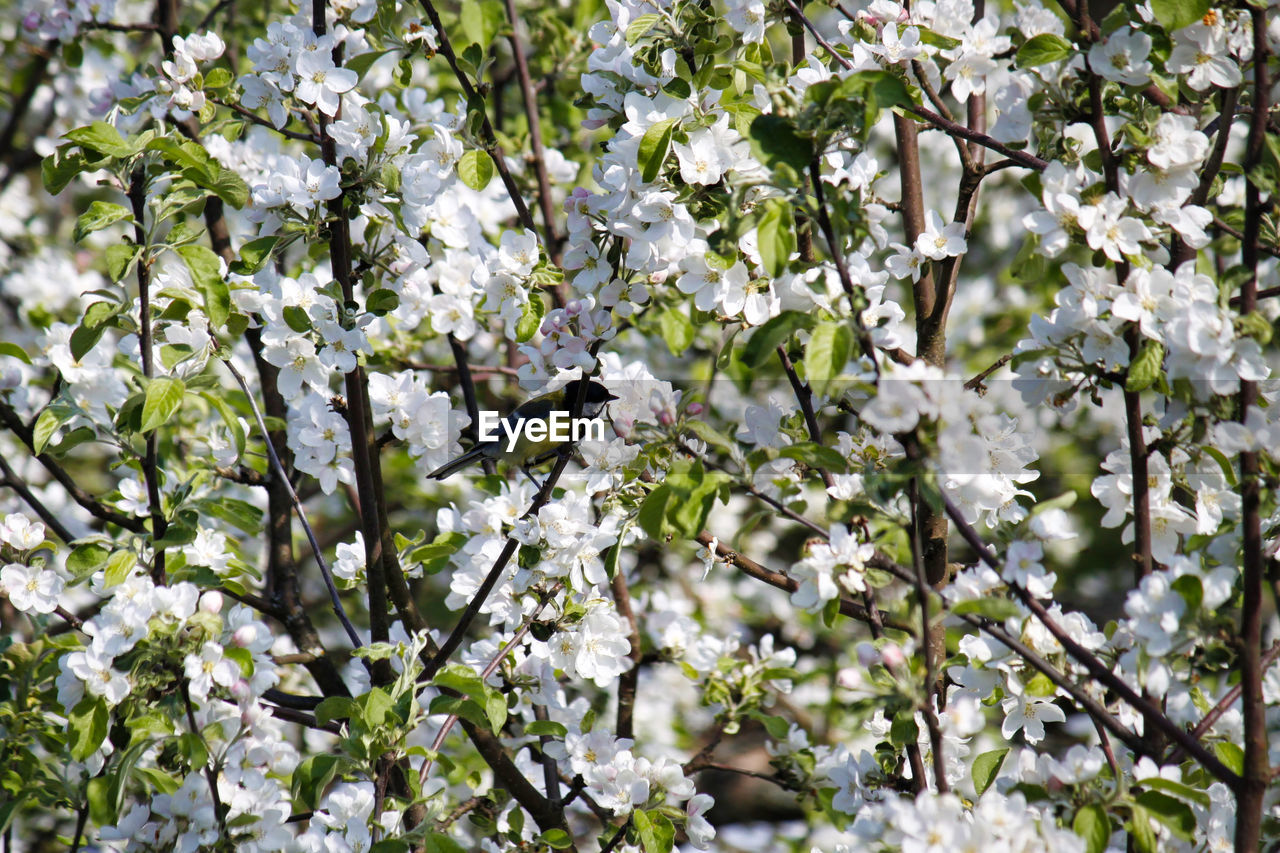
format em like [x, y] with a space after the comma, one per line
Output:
[508, 440]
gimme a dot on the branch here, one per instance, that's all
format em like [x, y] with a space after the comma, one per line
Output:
[16, 483]
[150, 462]
[535, 136]
[489, 137]
[628, 681]
[932, 679]
[1096, 668]
[1021, 158]
[780, 581]
[804, 397]
[280, 474]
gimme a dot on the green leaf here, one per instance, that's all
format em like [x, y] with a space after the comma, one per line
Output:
[61, 167]
[99, 215]
[362, 63]
[1092, 824]
[657, 833]
[475, 168]
[254, 255]
[829, 350]
[653, 148]
[119, 565]
[904, 730]
[313, 775]
[438, 842]
[1040, 685]
[1231, 755]
[773, 334]
[985, 767]
[1173, 813]
[653, 512]
[295, 317]
[677, 329]
[46, 426]
[481, 21]
[1178, 789]
[101, 804]
[776, 235]
[335, 708]
[12, 350]
[530, 318]
[545, 727]
[85, 559]
[382, 301]
[100, 137]
[495, 708]
[218, 78]
[1145, 369]
[1176, 14]
[206, 274]
[119, 258]
[558, 839]
[640, 26]
[1043, 49]
[995, 609]
[816, 456]
[164, 397]
[87, 724]
[774, 140]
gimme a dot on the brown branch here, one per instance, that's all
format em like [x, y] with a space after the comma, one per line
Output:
[1021, 158]
[150, 461]
[932, 677]
[780, 581]
[16, 483]
[1096, 668]
[1221, 707]
[1252, 790]
[804, 397]
[489, 138]
[259, 120]
[975, 384]
[628, 681]
[535, 135]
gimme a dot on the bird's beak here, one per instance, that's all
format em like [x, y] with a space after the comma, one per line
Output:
[611, 398]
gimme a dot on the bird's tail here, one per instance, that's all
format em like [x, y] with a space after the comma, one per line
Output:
[455, 465]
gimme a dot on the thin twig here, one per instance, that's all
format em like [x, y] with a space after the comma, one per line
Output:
[16, 483]
[297, 505]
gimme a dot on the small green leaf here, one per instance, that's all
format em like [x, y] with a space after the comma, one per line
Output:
[206, 274]
[218, 78]
[1176, 14]
[545, 727]
[904, 730]
[1178, 789]
[12, 350]
[653, 148]
[46, 426]
[657, 833]
[87, 724]
[640, 26]
[1145, 369]
[482, 21]
[495, 708]
[295, 317]
[1231, 755]
[382, 301]
[164, 397]
[254, 255]
[1043, 49]
[61, 167]
[530, 318]
[1092, 824]
[475, 168]
[119, 258]
[829, 349]
[313, 775]
[677, 330]
[558, 839]
[985, 767]
[816, 456]
[773, 334]
[774, 140]
[119, 565]
[1173, 813]
[100, 137]
[99, 215]
[85, 559]
[776, 235]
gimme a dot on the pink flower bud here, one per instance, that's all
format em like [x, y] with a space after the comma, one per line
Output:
[892, 656]
[31, 22]
[244, 636]
[849, 678]
[666, 418]
[867, 654]
[574, 308]
[211, 602]
[695, 409]
[240, 691]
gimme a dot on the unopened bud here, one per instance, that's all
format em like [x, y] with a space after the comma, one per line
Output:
[31, 22]
[573, 308]
[666, 418]
[849, 678]
[867, 654]
[244, 636]
[695, 409]
[240, 690]
[892, 656]
[211, 602]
